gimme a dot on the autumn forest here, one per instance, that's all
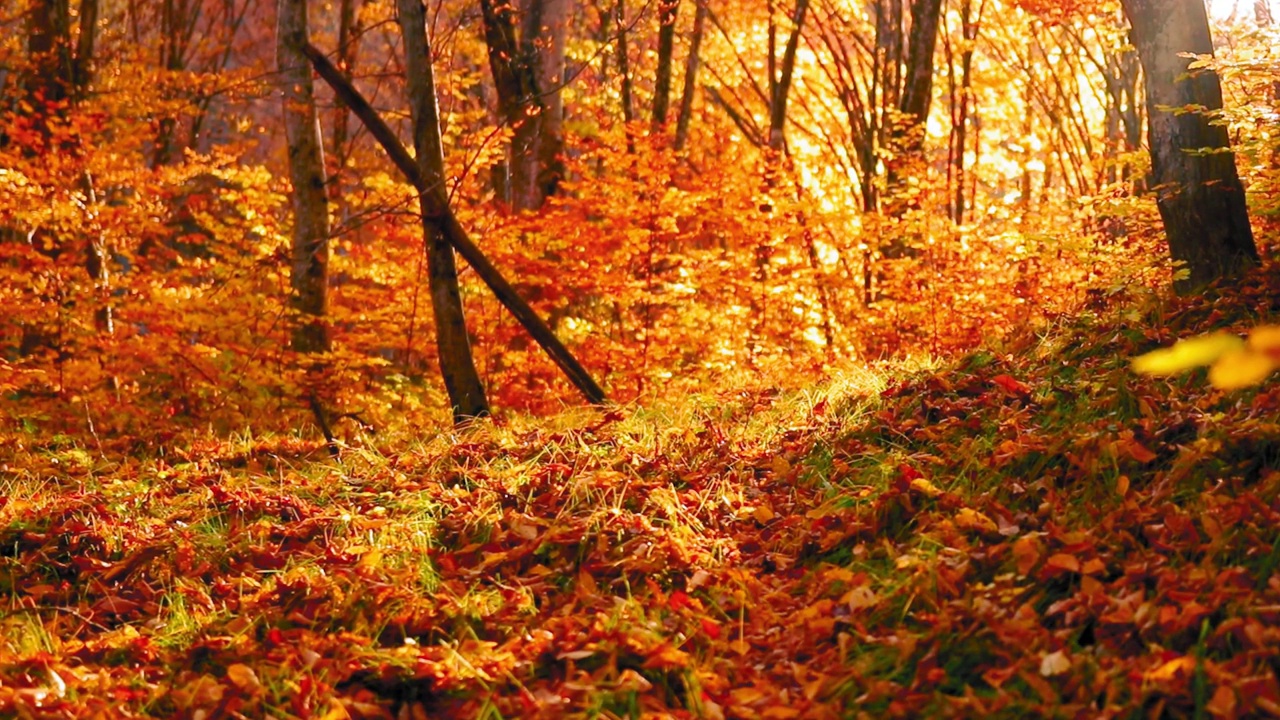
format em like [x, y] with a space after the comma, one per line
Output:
[639, 358]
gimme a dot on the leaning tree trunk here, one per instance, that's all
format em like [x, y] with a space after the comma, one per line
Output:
[1193, 170]
[466, 393]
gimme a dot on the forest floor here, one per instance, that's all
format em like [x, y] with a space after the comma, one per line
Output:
[1031, 530]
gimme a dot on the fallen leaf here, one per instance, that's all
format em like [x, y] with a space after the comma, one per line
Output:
[1064, 561]
[243, 677]
[1055, 663]
[1026, 553]
[1180, 666]
[974, 521]
[924, 487]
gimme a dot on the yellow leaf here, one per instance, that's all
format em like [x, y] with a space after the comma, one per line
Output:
[763, 514]
[974, 521]
[243, 677]
[1187, 354]
[1265, 338]
[1240, 369]
[926, 488]
[780, 467]
[370, 560]
[1182, 666]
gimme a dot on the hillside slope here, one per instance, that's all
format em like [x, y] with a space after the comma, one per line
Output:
[1028, 531]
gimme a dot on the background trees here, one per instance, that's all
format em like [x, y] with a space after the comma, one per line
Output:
[843, 182]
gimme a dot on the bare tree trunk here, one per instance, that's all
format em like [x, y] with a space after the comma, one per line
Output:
[780, 86]
[545, 37]
[514, 58]
[624, 60]
[310, 273]
[466, 393]
[691, 75]
[1199, 194]
[960, 123]
[348, 44]
[667, 10]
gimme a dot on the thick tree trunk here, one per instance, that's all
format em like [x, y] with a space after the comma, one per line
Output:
[545, 37]
[466, 393]
[310, 273]
[1199, 194]
[515, 60]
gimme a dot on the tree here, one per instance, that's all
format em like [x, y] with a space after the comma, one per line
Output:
[1198, 192]
[667, 10]
[310, 277]
[466, 393]
[692, 63]
[528, 67]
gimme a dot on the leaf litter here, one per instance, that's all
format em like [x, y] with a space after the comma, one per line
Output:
[1032, 530]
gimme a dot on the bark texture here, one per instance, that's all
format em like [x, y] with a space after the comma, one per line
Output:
[457, 367]
[1193, 170]
[526, 57]
[310, 272]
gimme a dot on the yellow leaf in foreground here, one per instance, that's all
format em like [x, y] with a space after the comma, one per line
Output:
[1240, 369]
[1265, 338]
[1187, 354]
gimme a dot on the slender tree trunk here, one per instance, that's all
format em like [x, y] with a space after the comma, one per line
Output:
[1199, 194]
[781, 86]
[348, 45]
[310, 272]
[624, 60]
[667, 10]
[466, 393]
[691, 75]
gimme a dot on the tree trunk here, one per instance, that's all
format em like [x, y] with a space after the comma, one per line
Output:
[348, 44]
[545, 38]
[310, 273]
[1199, 194]
[466, 393]
[515, 60]
[691, 75]
[780, 86]
[624, 62]
[667, 10]
[453, 231]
